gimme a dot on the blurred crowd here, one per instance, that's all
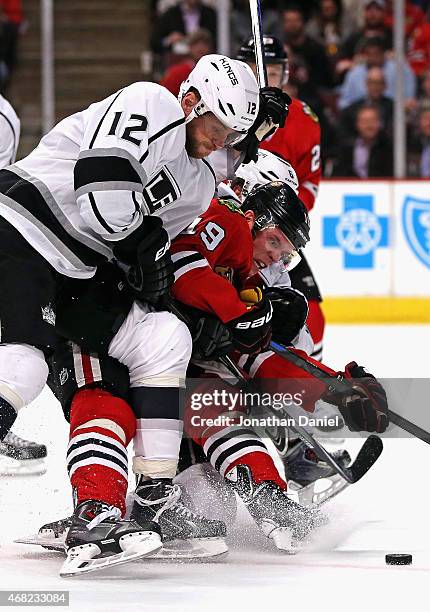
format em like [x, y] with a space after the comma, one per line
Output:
[341, 63]
[11, 24]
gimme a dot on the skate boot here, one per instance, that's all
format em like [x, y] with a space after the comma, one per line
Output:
[21, 457]
[312, 481]
[51, 535]
[186, 535]
[279, 518]
[98, 538]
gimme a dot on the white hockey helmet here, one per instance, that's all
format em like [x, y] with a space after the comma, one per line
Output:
[228, 89]
[268, 167]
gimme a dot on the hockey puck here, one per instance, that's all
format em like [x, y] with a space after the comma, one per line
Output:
[398, 559]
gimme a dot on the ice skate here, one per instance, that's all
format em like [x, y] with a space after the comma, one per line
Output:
[21, 457]
[312, 482]
[186, 535]
[282, 520]
[98, 538]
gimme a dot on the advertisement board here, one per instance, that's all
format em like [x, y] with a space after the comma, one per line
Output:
[371, 238]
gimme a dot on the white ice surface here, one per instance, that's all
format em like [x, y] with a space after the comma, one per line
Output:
[344, 571]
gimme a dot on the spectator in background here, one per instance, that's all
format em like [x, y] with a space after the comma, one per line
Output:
[306, 51]
[418, 48]
[240, 23]
[370, 153]
[374, 26]
[199, 43]
[329, 28]
[414, 16]
[424, 136]
[354, 85]
[11, 20]
[419, 142]
[179, 21]
[375, 83]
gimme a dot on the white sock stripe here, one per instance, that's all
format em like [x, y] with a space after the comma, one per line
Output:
[216, 436]
[240, 453]
[318, 346]
[88, 435]
[229, 443]
[105, 424]
[95, 447]
[97, 461]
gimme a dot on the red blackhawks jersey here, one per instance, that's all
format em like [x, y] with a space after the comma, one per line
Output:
[299, 143]
[212, 259]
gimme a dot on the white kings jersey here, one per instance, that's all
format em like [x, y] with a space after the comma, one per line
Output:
[95, 175]
[9, 133]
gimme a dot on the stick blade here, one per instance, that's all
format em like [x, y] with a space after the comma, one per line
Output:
[369, 453]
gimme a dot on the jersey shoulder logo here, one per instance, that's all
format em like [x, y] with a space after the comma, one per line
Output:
[308, 111]
[231, 205]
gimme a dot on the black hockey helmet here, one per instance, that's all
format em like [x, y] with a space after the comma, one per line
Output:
[274, 53]
[276, 203]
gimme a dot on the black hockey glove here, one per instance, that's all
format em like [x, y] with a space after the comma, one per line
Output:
[365, 407]
[211, 338]
[151, 272]
[252, 331]
[290, 311]
[273, 112]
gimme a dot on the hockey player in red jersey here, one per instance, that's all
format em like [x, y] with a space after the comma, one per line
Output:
[270, 228]
[298, 142]
[279, 226]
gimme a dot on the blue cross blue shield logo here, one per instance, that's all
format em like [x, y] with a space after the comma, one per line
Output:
[358, 231]
[416, 225]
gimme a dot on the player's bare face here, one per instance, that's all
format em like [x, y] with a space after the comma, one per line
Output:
[275, 72]
[207, 134]
[271, 246]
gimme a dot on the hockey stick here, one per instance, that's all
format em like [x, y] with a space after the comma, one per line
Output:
[368, 454]
[257, 34]
[341, 386]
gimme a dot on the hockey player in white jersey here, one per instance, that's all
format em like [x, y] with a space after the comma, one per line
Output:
[105, 195]
[17, 456]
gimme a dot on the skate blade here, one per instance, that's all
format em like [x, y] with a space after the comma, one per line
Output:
[318, 492]
[83, 559]
[28, 467]
[51, 543]
[194, 548]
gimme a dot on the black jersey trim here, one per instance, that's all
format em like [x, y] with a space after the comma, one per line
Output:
[96, 133]
[210, 168]
[26, 196]
[186, 260]
[162, 132]
[98, 215]
[106, 170]
[8, 121]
